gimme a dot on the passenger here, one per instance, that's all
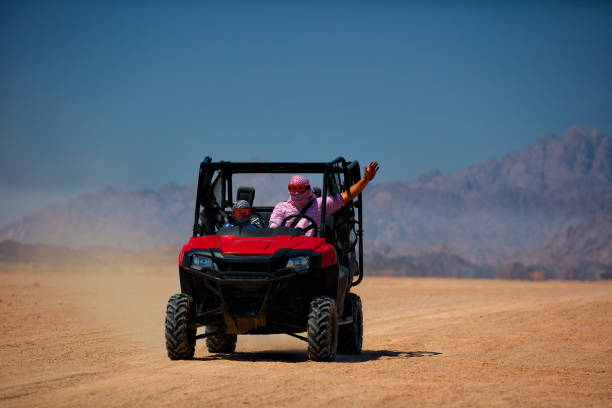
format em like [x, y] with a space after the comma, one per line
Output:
[242, 216]
[301, 195]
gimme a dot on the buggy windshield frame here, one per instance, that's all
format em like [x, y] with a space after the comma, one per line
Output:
[210, 171]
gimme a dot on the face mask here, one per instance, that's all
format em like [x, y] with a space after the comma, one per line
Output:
[299, 196]
[242, 220]
[299, 199]
[242, 215]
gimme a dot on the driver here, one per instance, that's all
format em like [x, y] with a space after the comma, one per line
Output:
[242, 216]
[301, 196]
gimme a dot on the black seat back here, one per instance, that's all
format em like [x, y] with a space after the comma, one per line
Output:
[246, 193]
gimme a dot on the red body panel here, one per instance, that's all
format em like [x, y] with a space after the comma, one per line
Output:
[230, 245]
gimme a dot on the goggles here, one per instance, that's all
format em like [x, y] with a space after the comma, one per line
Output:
[242, 212]
[298, 188]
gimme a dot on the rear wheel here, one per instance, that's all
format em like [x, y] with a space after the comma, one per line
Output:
[180, 327]
[322, 329]
[350, 336]
[220, 342]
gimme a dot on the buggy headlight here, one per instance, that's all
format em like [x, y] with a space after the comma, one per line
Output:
[202, 262]
[299, 263]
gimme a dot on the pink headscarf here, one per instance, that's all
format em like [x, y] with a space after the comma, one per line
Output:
[299, 200]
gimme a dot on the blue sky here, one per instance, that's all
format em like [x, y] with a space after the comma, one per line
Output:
[135, 94]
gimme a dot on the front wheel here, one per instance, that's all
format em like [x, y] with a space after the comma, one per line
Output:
[180, 327]
[350, 336]
[322, 329]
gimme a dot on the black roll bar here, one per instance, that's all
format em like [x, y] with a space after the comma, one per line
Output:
[326, 168]
[270, 167]
[228, 168]
[360, 236]
[323, 230]
[196, 218]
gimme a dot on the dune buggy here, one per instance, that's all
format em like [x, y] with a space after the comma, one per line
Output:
[268, 281]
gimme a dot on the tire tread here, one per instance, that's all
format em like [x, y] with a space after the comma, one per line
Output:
[220, 343]
[322, 329]
[350, 336]
[180, 328]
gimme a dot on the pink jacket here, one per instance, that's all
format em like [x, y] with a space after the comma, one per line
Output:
[285, 209]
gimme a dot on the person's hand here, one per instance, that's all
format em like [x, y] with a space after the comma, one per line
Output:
[370, 170]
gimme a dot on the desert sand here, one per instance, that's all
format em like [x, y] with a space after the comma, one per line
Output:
[96, 338]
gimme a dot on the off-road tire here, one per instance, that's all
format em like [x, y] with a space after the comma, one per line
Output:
[350, 336]
[322, 329]
[220, 343]
[180, 327]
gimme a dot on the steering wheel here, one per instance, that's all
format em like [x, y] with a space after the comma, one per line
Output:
[312, 225]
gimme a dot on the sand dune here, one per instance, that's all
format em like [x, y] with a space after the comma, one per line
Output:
[96, 339]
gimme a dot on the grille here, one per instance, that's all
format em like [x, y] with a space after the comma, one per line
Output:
[245, 267]
[245, 275]
[248, 270]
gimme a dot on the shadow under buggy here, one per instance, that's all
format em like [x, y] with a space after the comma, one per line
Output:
[268, 281]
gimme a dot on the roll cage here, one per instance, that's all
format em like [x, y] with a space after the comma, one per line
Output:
[214, 196]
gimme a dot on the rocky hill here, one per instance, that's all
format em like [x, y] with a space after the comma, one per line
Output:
[132, 220]
[494, 211]
[545, 208]
[579, 250]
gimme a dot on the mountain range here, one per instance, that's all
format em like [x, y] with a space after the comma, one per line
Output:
[545, 210]
[504, 210]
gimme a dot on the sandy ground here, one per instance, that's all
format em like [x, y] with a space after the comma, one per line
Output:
[97, 339]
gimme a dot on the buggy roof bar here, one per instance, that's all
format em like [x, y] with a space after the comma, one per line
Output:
[273, 167]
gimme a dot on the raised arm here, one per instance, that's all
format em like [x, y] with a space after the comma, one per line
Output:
[369, 172]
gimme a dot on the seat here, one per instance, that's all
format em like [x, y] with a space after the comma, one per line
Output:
[246, 193]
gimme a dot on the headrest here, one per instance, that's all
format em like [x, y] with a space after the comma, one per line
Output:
[246, 193]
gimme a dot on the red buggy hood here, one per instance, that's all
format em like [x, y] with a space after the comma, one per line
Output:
[231, 245]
